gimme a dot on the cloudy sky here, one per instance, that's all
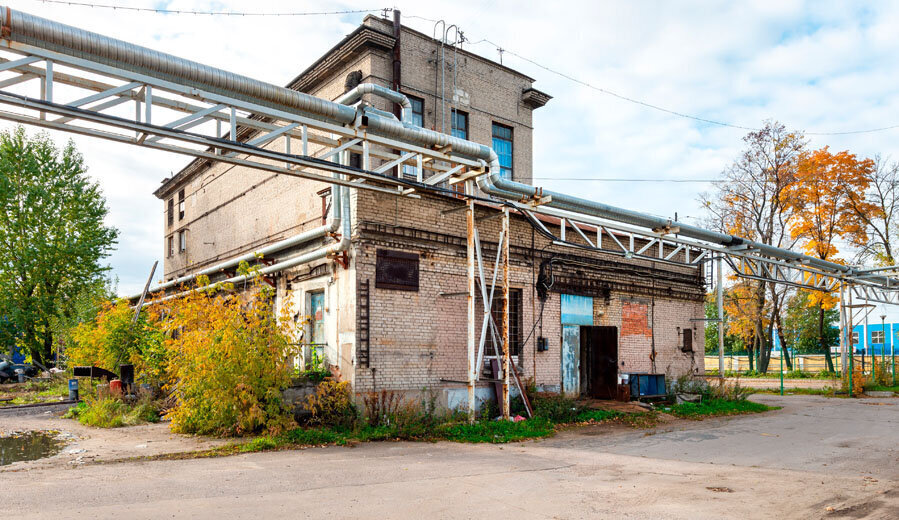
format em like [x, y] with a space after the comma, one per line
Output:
[817, 66]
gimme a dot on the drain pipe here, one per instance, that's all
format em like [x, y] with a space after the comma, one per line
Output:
[356, 94]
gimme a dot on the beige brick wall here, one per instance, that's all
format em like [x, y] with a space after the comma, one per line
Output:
[419, 339]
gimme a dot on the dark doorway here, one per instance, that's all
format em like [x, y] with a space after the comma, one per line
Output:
[599, 362]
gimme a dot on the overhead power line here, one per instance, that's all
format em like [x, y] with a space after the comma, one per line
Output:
[652, 106]
[210, 13]
[499, 48]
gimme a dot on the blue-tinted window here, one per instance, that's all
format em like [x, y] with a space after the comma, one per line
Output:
[502, 145]
[418, 111]
[418, 119]
[460, 124]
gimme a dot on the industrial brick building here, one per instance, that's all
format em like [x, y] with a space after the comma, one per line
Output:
[391, 311]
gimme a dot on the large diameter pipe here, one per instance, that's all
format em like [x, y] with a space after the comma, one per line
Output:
[360, 90]
[46, 34]
[495, 184]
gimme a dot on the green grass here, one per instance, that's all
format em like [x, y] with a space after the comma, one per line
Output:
[496, 432]
[34, 392]
[881, 388]
[113, 413]
[826, 391]
[716, 408]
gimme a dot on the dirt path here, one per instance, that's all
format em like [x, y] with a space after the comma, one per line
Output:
[86, 444]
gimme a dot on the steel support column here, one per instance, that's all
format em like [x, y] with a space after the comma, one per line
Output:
[720, 299]
[472, 369]
[505, 253]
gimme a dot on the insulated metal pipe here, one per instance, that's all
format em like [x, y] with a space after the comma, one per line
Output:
[495, 184]
[54, 36]
[356, 94]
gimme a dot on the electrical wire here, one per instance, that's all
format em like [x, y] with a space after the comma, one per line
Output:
[498, 47]
[652, 106]
[209, 13]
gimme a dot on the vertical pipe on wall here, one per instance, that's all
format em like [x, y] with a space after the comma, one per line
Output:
[469, 217]
[506, 354]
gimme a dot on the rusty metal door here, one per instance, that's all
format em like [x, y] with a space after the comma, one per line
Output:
[571, 364]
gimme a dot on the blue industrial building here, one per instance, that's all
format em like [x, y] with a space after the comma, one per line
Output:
[875, 342]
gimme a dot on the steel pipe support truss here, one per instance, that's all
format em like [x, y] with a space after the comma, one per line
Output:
[58, 91]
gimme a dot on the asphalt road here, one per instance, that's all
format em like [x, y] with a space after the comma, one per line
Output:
[815, 458]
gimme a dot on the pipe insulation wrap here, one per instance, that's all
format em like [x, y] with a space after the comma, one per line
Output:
[65, 39]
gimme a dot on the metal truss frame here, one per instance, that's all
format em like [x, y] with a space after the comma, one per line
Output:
[190, 121]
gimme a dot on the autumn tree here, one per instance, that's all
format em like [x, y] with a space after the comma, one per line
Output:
[52, 236]
[749, 202]
[878, 209]
[828, 201]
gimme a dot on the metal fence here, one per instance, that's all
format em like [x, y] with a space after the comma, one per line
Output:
[813, 363]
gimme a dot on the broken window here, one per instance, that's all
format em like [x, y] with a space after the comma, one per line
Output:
[182, 241]
[171, 246]
[496, 311]
[396, 270]
[181, 204]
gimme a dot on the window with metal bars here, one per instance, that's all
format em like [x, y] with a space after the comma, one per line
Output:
[515, 319]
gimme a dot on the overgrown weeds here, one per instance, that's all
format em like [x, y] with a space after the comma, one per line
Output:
[111, 412]
[716, 408]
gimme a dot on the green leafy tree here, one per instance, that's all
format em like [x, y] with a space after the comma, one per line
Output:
[801, 325]
[732, 343]
[52, 236]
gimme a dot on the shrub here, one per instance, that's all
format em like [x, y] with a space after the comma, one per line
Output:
[228, 362]
[110, 412]
[112, 339]
[381, 407]
[556, 408]
[332, 405]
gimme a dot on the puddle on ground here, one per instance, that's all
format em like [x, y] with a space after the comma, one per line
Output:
[16, 447]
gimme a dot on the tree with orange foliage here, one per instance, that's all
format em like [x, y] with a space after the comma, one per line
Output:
[827, 200]
[750, 204]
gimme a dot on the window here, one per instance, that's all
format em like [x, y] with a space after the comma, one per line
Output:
[171, 246]
[877, 337]
[182, 241]
[502, 145]
[855, 338]
[418, 111]
[418, 119]
[171, 211]
[396, 270]
[496, 310]
[181, 204]
[460, 124]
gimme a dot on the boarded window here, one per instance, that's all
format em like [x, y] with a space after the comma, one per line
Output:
[687, 340]
[171, 246]
[170, 210]
[496, 311]
[396, 270]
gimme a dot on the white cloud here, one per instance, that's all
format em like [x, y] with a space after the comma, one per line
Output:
[817, 66]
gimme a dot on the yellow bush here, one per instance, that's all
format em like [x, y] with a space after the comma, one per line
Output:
[332, 405]
[111, 339]
[228, 361]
